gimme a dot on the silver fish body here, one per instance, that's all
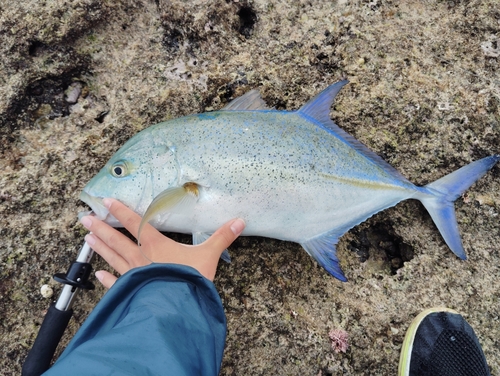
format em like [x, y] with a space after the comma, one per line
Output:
[290, 175]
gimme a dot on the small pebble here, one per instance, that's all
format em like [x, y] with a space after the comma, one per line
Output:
[46, 291]
[73, 92]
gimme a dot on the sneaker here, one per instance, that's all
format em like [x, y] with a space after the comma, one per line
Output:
[439, 342]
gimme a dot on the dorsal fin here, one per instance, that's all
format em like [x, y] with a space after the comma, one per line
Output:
[248, 101]
[318, 108]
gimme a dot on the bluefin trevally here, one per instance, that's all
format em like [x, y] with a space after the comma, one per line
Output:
[291, 175]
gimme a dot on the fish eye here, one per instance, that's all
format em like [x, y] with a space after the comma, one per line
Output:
[119, 169]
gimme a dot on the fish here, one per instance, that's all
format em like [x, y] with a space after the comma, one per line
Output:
[291, 175]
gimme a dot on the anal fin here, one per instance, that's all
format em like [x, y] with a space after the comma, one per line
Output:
[322, 249]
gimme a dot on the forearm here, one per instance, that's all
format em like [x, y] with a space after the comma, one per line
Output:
[160, 318]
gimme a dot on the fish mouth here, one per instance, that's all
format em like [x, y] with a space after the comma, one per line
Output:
[95, 204]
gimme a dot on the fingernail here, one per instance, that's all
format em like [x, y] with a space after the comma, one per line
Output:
[99, 275]
[107, 202]
[89, 238]
[238, 226]
[86, 222]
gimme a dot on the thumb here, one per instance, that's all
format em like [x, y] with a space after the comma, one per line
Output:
[207, 257]
[224, 236]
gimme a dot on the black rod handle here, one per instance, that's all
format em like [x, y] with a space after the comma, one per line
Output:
[49, 335]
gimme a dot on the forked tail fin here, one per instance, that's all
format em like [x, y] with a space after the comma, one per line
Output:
[445, 191]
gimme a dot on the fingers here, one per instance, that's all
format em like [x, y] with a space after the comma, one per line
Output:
[114, 241]
[131, 221]
[112, 257]
[128, 218]
[107, 279]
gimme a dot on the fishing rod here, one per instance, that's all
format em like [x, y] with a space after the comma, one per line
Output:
[59, 313]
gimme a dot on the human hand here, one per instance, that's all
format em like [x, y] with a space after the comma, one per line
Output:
[123, 254]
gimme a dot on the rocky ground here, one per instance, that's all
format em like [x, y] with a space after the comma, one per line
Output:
[77, 79]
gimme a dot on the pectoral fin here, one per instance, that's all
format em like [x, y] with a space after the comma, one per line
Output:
[178, 199]
[200, 237]
[322, 249]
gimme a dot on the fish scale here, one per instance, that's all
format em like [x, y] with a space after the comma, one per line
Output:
[291, 175]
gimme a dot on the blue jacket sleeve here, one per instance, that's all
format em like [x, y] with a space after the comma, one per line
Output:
[162, 319]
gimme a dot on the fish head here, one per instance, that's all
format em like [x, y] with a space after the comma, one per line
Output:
[142, 168]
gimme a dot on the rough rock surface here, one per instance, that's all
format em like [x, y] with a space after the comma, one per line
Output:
[78, 78]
